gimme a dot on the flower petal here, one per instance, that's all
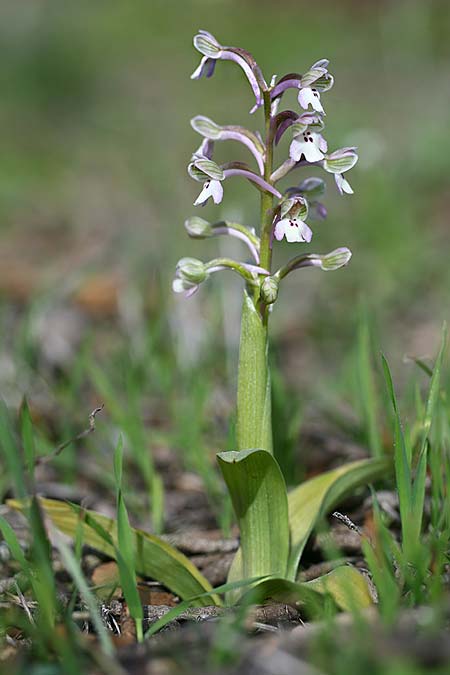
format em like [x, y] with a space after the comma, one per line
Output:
[307, 96]
[293, 229]
[342, 184]
[301, 145]
[211, 188]
[216, 191]
[205, 68]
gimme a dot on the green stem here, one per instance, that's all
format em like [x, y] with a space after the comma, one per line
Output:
[254, 417]
[266, 197]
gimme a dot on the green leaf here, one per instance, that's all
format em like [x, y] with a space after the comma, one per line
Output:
[402, 460]
[258, 492]
[118, 462]
[26, 425]
[367, 389]
[13, 544]
[125, 551]
[154, 557]
[313, 498]
[8, 447]
[433, 393]
[72, 566]
[383, 557]
[283, 590]
[346, 585]
[418, 488]
[253, 424]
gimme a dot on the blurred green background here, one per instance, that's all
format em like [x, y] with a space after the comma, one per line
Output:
[96, 99]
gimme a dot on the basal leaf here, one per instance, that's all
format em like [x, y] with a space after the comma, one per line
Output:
[348, 588]
[290, 592]
[154, 557]
[313, 498]
[258, 492]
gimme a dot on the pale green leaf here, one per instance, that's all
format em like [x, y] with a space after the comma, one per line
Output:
[346, 585]
[313, 498]
[154, 557]
[258, 492]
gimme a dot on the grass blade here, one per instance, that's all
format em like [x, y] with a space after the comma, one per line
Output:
[402, 459]
[74, 570]
[124, 550]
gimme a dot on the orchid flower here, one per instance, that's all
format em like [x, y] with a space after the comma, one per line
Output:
[211, 188]
[290, 224]
[317, 79]
[205, 170]
[213, 51]
[310, 145]
[339, 162]
[293, 229]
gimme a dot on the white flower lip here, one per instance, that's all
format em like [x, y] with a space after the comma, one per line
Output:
[308, 144]
[211, 188]
[293, 230]
[309, 96]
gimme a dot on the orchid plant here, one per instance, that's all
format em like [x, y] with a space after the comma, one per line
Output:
[274, 524]
[283, 213]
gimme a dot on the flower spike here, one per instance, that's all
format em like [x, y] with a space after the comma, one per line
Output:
[283, 216]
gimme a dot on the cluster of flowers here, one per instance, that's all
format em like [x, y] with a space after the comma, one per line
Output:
[307, 147]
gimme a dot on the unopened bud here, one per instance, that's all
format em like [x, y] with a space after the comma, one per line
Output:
[341, 160]
[312, 187]
[269, 290]
[198, 228]
[206, 127]
[336, 259]
[203, 169]
[207, 44]
[191, 270]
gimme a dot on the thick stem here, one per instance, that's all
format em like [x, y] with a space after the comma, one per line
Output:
[254, 419]
[254, 406]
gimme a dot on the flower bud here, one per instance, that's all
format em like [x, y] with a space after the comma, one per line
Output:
[204, 169]
[313, 74]
[312, 187]
[336, 259]
[191, 270]
[269, 290]
[206, 127]
[207, 44]
[198, 228]
[341, 160]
